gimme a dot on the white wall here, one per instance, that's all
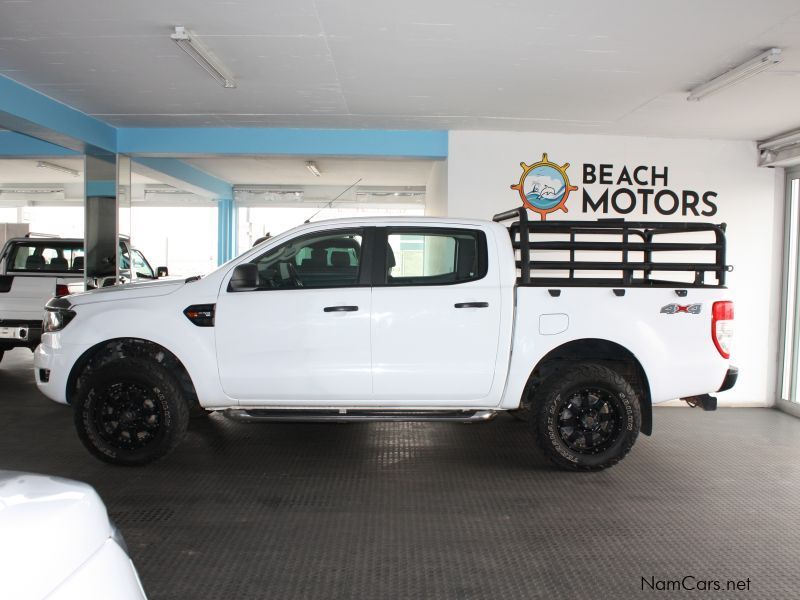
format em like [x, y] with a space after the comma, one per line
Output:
[436, 190]
[483, 165]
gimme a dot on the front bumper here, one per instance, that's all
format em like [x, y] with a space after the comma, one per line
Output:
[730, 379]
[52, 368]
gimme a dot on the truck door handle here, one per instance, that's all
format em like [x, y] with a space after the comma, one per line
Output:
[340, 309]
[472, 305]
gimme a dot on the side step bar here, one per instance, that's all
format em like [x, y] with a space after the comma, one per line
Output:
[356, 416]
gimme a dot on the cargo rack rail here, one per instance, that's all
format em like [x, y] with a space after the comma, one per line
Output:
[627, 237]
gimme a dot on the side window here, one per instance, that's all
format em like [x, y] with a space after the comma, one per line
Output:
[124, 258]
[321, 260]
[141, 266]
[431, 257]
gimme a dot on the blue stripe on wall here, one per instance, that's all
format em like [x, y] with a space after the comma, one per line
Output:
[101, 188]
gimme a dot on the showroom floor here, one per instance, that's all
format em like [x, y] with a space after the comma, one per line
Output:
[434, 510]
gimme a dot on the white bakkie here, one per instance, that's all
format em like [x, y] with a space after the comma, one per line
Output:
[58, 543]
[565, 324]
[35, 269]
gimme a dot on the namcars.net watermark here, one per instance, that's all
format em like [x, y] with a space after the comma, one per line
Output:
[692, 583]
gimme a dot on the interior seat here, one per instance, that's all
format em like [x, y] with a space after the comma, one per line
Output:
[59, 264]
[35, 262]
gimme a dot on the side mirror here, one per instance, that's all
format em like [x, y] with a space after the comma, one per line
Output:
[162, 272]
[244, 278]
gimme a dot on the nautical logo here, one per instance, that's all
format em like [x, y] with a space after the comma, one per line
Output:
[544, 186]
[692, 309]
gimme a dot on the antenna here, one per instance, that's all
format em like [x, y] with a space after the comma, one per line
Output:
[329, 204]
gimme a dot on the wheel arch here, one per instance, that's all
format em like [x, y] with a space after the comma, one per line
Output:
[108, 350]
[601, 351]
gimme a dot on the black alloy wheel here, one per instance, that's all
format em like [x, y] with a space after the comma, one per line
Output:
[130, 411]
[127, 415]
[589, 420]
[585, 417]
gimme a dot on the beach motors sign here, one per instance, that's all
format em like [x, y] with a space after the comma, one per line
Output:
[545, 187]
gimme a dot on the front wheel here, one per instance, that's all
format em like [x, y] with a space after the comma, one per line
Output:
[130, 412]
[586, 418]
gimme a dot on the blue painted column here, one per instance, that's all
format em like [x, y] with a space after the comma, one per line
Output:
[226, 230]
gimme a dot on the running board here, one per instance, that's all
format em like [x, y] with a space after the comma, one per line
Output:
[353, 416]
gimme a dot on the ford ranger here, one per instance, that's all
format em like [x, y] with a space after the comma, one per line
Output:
[576, 327]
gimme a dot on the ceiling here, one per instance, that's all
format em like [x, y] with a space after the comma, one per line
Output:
[243, 170]
[25, 172]
[334, 171]
[615, 66]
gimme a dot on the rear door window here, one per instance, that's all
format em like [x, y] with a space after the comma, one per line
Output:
[435, 257]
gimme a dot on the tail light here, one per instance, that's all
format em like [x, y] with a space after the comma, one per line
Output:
[62, 290]
[722, 327]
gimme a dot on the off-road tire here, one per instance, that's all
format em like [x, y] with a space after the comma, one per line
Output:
[561, 397]
[153, 408]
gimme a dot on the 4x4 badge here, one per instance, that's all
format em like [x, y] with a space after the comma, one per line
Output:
[671, 309]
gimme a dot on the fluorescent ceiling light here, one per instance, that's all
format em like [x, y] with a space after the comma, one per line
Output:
[780, 151]
[312, 166]
[760, 63]
[31, 190]
[779, 142]
[267, 189]
[43, 164]
[202, 56]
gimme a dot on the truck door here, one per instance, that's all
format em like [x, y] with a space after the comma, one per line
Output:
[303, 336]
[436, 309]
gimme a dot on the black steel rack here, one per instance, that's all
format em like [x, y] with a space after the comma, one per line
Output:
[618, 236]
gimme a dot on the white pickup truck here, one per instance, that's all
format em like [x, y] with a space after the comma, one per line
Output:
[35, 269]
[414, 319]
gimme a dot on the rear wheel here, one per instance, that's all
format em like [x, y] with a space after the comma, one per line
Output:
[130, 412]
[586, 418]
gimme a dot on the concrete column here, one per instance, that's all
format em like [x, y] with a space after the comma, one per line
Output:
[226, 229]
[101, 214]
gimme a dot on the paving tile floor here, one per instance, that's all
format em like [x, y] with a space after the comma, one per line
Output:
[429, 510]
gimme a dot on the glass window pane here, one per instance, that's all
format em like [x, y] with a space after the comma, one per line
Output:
[46, 256]
[330, 259]
[141, 266]
[431, 258]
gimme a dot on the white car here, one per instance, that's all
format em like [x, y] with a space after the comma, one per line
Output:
[56, 542]
[406, 319]
[35, 269]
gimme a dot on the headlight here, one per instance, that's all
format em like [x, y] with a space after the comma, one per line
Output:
[55, 319]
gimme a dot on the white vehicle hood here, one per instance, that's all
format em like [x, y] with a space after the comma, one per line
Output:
[127, 291]
[48, 527]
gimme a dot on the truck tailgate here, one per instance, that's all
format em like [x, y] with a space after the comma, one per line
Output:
[23, 298]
